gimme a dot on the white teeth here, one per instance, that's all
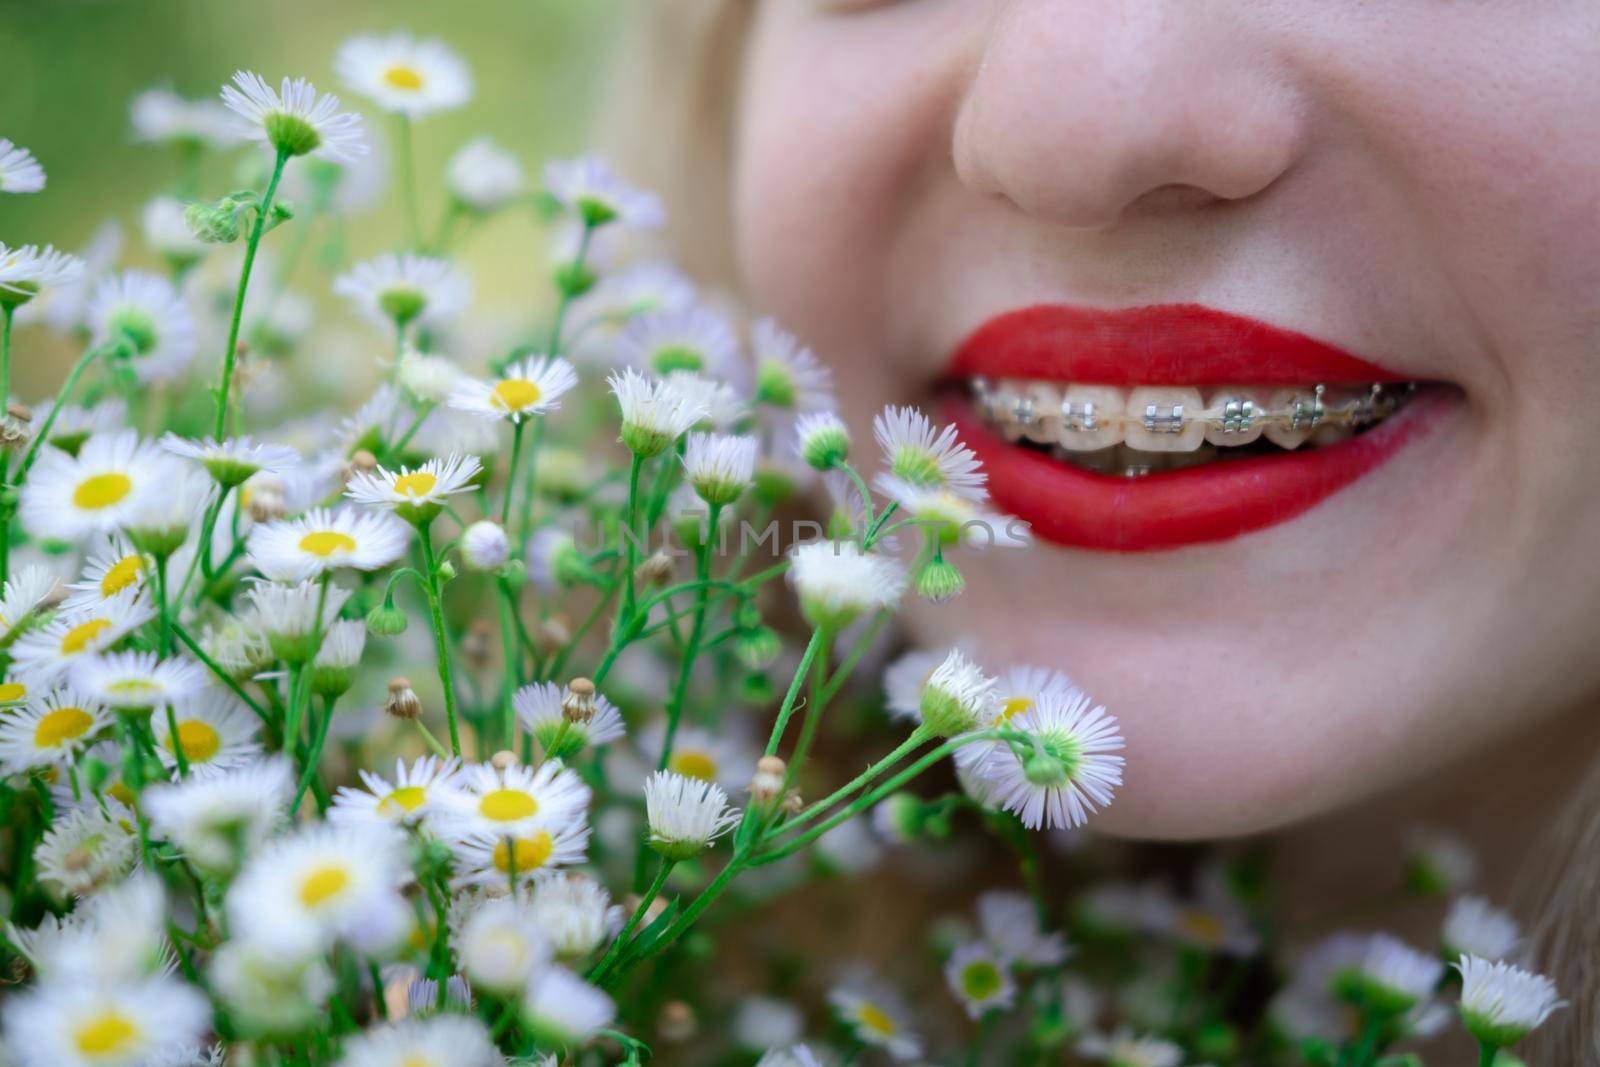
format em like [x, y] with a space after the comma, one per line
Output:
[1235, 416]
[1305, 413]
[1164, 419]
[1044, 426]
[1091, 417]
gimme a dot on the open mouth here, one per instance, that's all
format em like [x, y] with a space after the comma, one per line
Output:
[1172, 425]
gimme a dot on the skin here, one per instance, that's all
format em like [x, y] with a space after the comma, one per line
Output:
[1417, 183]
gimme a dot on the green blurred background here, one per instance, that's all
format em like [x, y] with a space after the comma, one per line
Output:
[71, 68]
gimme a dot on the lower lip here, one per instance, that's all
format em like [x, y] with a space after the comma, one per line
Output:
[1171, 509]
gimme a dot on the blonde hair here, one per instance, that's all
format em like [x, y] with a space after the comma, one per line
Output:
[674, 126]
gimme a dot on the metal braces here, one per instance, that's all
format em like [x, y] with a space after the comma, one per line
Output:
[1237, 415]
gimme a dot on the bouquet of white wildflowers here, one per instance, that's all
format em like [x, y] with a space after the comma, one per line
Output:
[433, 734]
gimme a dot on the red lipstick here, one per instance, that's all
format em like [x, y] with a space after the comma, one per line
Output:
[1182, 344]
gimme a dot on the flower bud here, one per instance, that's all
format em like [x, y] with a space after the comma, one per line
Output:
[386, 620]
[578, 705]
[402, 702]
[484, 546]
[503, 759]
[264, 494]
[939, 581]
[766, 786]
[677, 1022]
[824, 442]
[363, 461]
[655, 570]
[215, 224]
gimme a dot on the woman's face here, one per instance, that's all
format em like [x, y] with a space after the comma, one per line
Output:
[1223, 200]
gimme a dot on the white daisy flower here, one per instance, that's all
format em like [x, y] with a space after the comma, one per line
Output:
[322, 541]
[491, 859]
[514, 800]
[404, 75]
[576, 914]
[561, 1008]
[837, 582]
[267, 991]
[793, 1056]
[1010, 922]
[215, 731]
[724, 756]
[218, 820]
[654, 414]
[722, 404]
[1500, 1003]
[693, 339]
[20, 599]
[981, 979]
[67, 497]
[500, 945]
[953, 518]
[160, 520]
[295, 120]
[905, 679]
[161, 115]
[485, 177]
[84, 849]
[1127, 1049]
[28, 270]
[1064, 772]
[589, 189]
[45, 655]
[334, 666]
[958, 696]
[1021, 688]
[685, 815]
[876, 1017]
[1474, 927]
[763, 1022]
[61, 308]
[74, 425]
[413, 795]
[533, 386]
[538, 708]
[133, 681]
[233, 461]
[921, 456]
[93, 1024]
[720, 467]
[12, 692]
[599, 316]
[329, 883]
[237, 645]
[415, 494]
[165, 226]
[484, 546]
[288, 615]
[443, 1040]
[151, 315]
[51, 730]
[431, 379]
[422, 997]
[821, 439]
[116, 935]
[405, 289]
[1389, 975]
[19, 171]
[788, 374]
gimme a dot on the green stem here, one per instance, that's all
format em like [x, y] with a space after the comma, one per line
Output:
[423, 411]
[631, 542]
[786, 709]
[441, 642]
[163, 609]
[1487, 1054]
[310, 771]
[680, 692]
[223, 676]
[228, 355]
[55, 409]
[511, 476]
[620, 944]
[511, 675]
[177, 742]
[813, 716]
[530, 482]
[300, 674]
[408, 178]
[687, 917]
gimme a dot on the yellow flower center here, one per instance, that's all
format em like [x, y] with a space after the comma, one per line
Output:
[401, 76]
[108, 1033]
[417, 483]
[416, 1061]
[199, 740]
[122, 574]
[1202, 926]
[531, 853]
[79, 637]
[693, 764]
[1012, 708]
[407, 799]
[11, 692]
[325, 543]
[322, 885]
[101, 491]
[516, 394]
[876, 1019]
[61, 726]
[507, 805]
[120, 792]
[132, 686]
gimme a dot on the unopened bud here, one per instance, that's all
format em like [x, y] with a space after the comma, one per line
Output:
[655, 570]
[20, 411]
[386, 620]
[767, 784]
[792, 803]
[677, 1022]
[503, 760]
[940, 581]
[402, 702]
[578, 704]
[264, 493]
[477, 644]
[363, 461]
[552, 635]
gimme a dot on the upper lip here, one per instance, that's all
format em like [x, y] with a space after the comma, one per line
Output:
[1156, 344]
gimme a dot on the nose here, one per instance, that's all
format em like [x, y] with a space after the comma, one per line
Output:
[1081, 111]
